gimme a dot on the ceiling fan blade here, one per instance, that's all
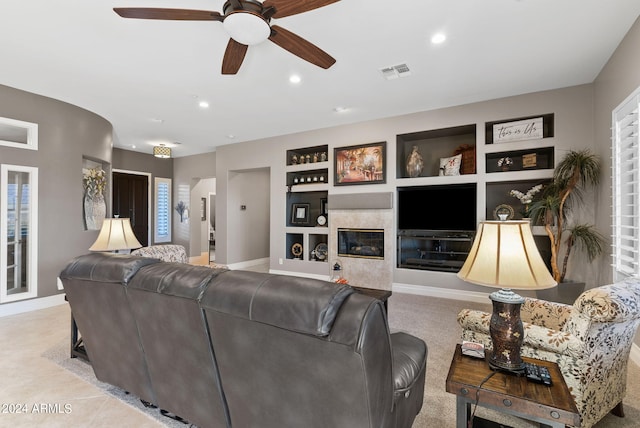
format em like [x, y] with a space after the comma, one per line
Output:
[168, 14]
[300, 47]
[293, 7]
[233, 57]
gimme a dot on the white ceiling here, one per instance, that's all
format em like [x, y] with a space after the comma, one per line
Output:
[147, 77]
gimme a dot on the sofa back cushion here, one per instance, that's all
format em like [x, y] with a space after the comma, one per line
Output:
[164, 299]
[105, 267]
[94, 285]
[296, 352]
[299, 304]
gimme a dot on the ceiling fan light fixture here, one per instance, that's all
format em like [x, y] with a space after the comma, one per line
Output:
[247, 28]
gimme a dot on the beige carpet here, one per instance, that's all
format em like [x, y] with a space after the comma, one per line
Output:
[433, 320]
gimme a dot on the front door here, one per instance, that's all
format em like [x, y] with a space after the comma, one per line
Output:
[131, 200]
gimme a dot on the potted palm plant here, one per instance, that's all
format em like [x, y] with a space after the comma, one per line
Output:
[556, 208]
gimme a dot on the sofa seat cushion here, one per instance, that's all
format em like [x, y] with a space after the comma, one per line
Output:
[409, 357]
[298, 304]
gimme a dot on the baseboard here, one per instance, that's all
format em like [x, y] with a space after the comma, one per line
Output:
[249, 263]
[31, 305]
[444, 293]
[300, 274]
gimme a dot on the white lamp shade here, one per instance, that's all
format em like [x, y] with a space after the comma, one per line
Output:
[116, 234]
[504, 255]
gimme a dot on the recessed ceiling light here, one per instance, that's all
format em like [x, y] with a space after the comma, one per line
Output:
[340, 109]
[294, 78]
[156, 120]
[231, 136]
[438, 38]
[203, 104]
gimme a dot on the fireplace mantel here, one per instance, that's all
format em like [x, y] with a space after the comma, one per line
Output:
[361, 201]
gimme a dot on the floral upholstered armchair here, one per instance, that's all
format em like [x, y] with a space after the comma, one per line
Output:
[590, 341]
[166, 253]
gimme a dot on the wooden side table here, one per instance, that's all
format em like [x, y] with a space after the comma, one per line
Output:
[382, 295]
[77, 345]
[551, 406]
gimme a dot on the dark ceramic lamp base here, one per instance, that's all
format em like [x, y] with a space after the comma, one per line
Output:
[506, 332]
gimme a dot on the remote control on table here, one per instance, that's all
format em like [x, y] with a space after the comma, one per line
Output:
[538, 374]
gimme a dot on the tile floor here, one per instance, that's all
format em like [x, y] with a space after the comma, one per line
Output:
[36, 392]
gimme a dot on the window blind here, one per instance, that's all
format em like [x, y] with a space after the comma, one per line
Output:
[163, 210]
[626, 186]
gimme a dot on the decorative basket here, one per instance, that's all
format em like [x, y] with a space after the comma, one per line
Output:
[468, 164]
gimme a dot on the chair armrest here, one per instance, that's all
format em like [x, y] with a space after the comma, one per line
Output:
[553, 341]
[474, 320]
[546, 314]
[535, 336]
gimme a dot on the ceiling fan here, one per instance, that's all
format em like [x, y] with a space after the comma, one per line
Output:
[247, 22]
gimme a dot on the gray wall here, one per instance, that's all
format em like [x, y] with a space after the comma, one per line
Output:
[248, 227]
[66, 134]
[617, 80]
[186, 172]
[619, 77]
[573, 108]
[131, 161]
[201, 187]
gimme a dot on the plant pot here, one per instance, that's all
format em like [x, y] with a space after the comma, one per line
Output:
[565, 292]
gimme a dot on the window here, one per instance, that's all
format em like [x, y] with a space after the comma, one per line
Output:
[19, 134]
[626, 188]
[162, 210]
[18, 233]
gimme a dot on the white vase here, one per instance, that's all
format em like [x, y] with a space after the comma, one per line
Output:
[95, 210]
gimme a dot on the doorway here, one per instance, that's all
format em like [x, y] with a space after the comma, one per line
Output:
[131, 200]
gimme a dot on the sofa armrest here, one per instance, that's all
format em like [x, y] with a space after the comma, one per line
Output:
[409, 360]
[409, 355]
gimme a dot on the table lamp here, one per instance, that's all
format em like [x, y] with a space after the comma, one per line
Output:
[116, 234]
[504, 255]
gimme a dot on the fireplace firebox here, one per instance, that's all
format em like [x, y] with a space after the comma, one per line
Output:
[364, 243]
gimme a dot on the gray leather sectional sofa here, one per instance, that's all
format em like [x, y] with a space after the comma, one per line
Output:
[222, 348]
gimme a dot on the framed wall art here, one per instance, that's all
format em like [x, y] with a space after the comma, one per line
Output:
[361, 164]
[300, 213]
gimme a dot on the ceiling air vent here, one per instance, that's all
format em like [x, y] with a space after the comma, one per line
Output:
[395, 71]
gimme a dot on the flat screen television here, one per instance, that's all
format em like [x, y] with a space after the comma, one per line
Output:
[439, 207]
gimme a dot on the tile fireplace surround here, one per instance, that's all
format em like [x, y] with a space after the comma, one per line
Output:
[363, 211]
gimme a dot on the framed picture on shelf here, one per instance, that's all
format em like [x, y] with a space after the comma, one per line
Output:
[361, 164]
[530, 129]
[300, 213]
